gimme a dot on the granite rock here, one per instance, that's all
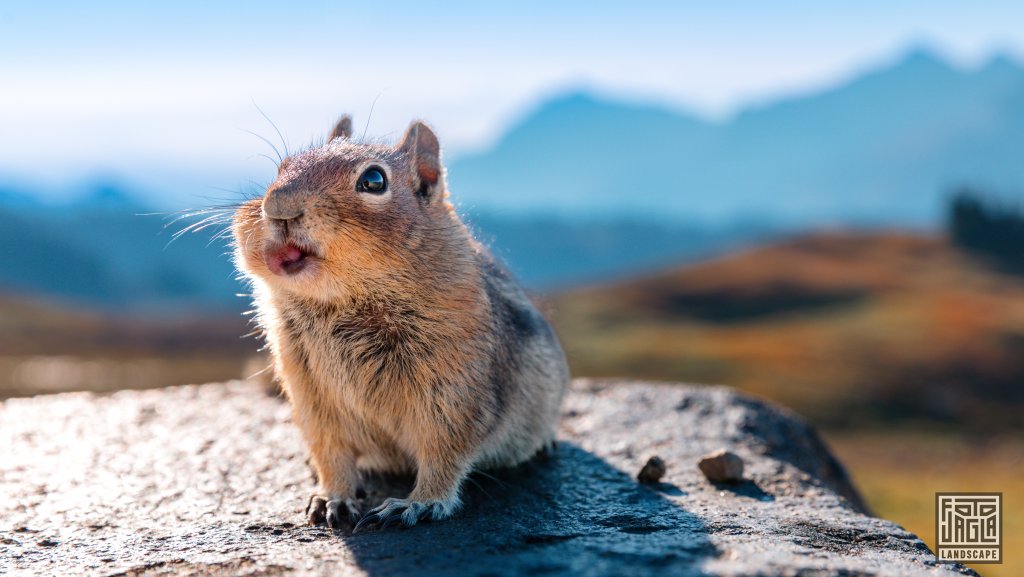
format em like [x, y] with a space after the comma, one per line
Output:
[213, 480]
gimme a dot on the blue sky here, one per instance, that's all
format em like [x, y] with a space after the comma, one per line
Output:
[157, 93]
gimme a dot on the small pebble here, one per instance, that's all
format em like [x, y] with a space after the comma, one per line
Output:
[652, 472]
[722, 467]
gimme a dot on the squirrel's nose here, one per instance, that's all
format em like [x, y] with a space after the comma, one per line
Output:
[283, 204]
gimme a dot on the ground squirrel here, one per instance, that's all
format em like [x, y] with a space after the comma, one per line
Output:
[402, 344]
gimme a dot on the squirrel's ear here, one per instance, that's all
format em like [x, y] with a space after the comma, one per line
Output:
[343, 129]
[421, 145]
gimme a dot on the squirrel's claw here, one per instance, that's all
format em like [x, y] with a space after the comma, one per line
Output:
[370, 521]
[342, 514]
[395, 511]
[335, 513]
[316, 510]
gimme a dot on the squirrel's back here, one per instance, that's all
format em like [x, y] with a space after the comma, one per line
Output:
[528, 368]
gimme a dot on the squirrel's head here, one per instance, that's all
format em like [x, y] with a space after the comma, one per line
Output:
[346, 215]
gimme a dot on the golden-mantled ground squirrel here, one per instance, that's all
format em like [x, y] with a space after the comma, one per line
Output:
[400, 341]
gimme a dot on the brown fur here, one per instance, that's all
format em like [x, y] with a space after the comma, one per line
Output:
[402, 345]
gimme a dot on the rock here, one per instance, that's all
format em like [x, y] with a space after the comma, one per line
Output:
[722, 466]
[212, 480]
[652, 471]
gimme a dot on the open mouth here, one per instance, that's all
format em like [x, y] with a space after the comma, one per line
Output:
[287, 259]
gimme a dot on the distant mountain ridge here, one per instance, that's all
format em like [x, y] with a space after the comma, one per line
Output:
[104, 249]
[587, 189]
[884, 148]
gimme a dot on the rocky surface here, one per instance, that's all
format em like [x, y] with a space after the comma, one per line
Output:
[212, 480]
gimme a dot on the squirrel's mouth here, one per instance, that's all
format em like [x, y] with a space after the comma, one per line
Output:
[287, 259]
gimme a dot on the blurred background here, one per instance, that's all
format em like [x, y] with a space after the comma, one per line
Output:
[820, 205]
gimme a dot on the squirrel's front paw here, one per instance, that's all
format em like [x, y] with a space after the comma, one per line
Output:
[406, 512]
[335, 513]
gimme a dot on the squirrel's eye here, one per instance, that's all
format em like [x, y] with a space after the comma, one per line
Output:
[372, 181]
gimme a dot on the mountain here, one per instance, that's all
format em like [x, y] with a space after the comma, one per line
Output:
[883, 148]
[105, 250]
[556, 253]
